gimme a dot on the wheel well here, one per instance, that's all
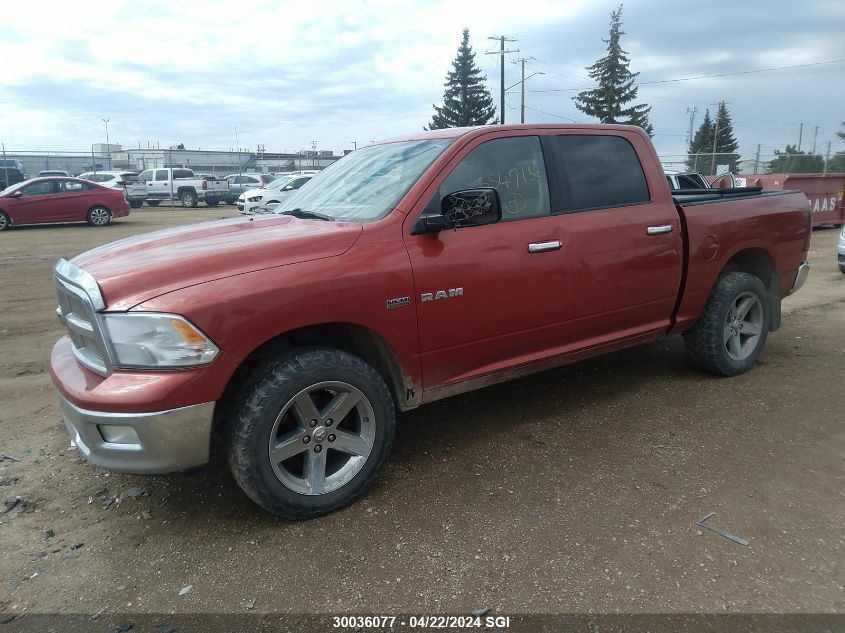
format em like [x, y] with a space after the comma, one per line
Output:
[758, 262]
[355, 339]
[182, 190]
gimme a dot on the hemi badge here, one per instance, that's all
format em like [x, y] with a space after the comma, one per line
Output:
[398, 302]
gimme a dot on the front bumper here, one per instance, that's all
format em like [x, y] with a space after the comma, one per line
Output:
[142, 443]
[800, 276]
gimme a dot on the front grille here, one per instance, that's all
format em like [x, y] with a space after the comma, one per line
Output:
[78, 312]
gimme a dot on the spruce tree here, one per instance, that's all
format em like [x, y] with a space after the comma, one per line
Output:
[791, 161]
[726, 143]
[466, 101]
[702, 143]
[607, 102]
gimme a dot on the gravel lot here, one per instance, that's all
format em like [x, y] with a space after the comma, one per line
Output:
[577, 490]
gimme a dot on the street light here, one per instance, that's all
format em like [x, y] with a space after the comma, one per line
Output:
[108, 149]
[522, 89]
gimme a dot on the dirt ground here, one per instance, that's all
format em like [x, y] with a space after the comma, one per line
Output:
[576, 490]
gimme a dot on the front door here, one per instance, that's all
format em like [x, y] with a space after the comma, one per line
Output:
[35, 205]
[492, 296]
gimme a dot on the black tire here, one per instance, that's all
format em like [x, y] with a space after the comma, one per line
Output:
[251, 419]
[5, 221]
[153, 203]
[841, 267]
[136, 204]
[706, 341]
[99, 216]
[212, 203]
[188, 198]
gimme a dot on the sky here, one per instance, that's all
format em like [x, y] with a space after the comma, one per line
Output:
[217, 75]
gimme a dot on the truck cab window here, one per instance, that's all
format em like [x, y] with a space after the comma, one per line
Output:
[597, 171]
[514, 167]
[161, 174]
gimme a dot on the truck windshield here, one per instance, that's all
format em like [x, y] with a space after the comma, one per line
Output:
[365, 185]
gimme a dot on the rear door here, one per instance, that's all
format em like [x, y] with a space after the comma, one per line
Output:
[35, 205]
[621, 235]
[72, 201]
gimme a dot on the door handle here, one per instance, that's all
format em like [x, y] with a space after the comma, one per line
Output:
[657, 230]
[539, 247]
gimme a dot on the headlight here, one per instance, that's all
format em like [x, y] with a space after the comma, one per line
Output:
[152, 340]
[255, 199]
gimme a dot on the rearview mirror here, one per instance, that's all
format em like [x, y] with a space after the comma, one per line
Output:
[467, 207]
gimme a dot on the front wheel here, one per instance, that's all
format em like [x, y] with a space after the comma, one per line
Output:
[153, 203]
[732, 328]
[309, 432]
[189, 199]
[99, 216]
[5, 222]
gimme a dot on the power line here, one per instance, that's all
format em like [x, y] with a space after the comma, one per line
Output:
[741, 72]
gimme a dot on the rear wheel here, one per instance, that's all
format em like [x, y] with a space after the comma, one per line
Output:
[732, 328]
[99, 216]
[309, 432]
[153, 203]
[5, 222]
[136, 204]
[189, 199]
[841, 266]
[212, 203]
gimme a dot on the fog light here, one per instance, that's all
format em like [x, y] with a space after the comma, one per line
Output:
[118, 434]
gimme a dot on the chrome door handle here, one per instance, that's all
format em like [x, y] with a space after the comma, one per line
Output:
[657, 230]
[539, 247]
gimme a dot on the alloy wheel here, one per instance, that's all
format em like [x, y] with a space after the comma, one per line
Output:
[743, 326]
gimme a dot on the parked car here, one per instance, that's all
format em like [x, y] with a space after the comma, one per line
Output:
[181, 184]
[10, 176]
[52, 172]
[11, 162]
[840, 251]
[51, 200]
[272, 195]
[409, 271]
[127, 181]
[686, 180]
[240, 183]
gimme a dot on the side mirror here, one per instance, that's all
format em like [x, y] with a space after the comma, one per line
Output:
[468, 207]
[287, 188]
[17, 194]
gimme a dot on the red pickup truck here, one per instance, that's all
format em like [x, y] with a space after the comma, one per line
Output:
[409, 271]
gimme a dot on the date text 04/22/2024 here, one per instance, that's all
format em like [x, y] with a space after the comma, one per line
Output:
[420, 622]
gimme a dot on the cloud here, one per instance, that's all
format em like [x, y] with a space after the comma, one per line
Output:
[287, 73]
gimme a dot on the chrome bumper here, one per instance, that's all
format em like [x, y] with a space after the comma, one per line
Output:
[800, 276]
[142, 443]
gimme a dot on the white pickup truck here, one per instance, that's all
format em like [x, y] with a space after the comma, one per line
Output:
[181, 184]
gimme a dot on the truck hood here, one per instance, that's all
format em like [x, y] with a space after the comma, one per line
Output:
[139, 268]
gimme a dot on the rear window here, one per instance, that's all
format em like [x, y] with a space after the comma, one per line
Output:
[183, 173]
[595, 172]
[127, 178]
[97, 177]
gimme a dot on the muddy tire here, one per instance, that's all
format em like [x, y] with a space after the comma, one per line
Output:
[309, 432]
[732, 328]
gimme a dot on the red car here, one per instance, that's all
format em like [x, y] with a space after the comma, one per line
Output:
[49, 200]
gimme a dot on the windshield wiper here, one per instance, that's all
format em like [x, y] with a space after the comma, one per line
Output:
[307, 215]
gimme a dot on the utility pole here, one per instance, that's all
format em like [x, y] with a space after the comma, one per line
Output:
[521, 82]
[800, 135]
[501, 52]
[827, 158]
[715, 136]
[6, 167]
[815, 136]
[691, 111]
[354, 145]
[108, 149]
[757, 158]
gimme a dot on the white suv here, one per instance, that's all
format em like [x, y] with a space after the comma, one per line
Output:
[133, 187]
[273, 194]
